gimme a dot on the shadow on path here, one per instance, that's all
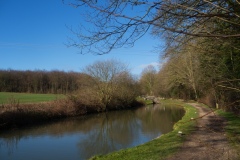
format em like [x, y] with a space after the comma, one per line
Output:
[208, 141]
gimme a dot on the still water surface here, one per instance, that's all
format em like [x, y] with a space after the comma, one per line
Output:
[82, 137]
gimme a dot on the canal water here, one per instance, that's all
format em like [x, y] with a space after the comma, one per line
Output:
[83, 137]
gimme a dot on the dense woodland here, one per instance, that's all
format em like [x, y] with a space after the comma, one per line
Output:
[39, 81]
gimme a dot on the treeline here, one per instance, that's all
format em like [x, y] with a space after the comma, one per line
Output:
[102, 86]
[204, 64]
[39, 81]
[209, 74]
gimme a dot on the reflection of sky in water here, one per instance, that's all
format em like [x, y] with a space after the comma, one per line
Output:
[82, 138]
[43, 147]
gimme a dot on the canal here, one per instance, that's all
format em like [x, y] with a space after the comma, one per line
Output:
[82, 137]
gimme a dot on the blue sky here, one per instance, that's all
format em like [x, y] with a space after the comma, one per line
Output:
[33, 35]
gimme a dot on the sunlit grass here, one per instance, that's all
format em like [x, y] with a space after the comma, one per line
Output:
[162, 147]
[8, 97]
[232, 128]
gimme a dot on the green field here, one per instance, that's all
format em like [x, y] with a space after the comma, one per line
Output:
[9, 97]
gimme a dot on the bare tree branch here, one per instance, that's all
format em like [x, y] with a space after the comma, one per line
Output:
[116, 23]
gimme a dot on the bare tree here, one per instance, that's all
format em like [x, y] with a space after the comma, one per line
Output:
[148, 79]
[184, 69]
[108, 84]
[116, 23]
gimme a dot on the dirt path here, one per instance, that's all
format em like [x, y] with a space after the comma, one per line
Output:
[208, 141]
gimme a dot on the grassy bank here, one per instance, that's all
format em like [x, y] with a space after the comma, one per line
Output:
[232, 128]
[9, 97]
[162, 147]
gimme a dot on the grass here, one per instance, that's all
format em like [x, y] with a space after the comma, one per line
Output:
[232, 128]
[8, 97]
[162, 147]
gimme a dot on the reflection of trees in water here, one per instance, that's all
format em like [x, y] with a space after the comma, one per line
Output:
[158, 118]
[9, 140]
[101, 133]
[105, 132]
[113, 133]
[10, 144]
[117, 131]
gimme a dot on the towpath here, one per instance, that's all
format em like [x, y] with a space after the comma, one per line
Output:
[208, 141]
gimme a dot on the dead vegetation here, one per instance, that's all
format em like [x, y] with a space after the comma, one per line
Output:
[15, 114]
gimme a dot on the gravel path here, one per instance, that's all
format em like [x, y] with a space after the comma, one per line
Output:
[208, 141]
